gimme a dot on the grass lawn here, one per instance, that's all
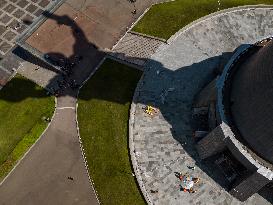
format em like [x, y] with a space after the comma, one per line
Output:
[164, 20]
[103, 115]
[22, 107]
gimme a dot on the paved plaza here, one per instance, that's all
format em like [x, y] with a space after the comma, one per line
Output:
[86, 29]
[16, 16]
[54, 170]
[163, 145]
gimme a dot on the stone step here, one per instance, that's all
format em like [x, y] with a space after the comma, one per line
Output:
[136, 48]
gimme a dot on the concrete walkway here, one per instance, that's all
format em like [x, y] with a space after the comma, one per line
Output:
[42, 177]
[53, 171]
[163, 144]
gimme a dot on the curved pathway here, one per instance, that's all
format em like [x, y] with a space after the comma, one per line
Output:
[163, 145]
[53, 171]
[43, 176]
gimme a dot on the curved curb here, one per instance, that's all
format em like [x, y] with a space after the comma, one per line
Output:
[30, 148]
[78, 131]
[84, 157]
[130, 130]
[215, 14]
[132, 145]
[261, 165]
[137, 90]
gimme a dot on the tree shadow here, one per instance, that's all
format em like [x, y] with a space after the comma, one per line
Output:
[20, 89]
[266, 193]
[171, 91]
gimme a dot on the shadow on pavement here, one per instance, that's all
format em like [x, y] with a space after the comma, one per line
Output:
[22, 85]
[77, 67]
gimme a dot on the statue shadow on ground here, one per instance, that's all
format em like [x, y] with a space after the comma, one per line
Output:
[171, 91]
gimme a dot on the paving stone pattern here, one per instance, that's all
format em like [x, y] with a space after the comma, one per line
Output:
[135, 48]
[15, 17]
[39, 75]
[163, 144]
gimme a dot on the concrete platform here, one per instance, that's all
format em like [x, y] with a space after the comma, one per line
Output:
[82, 28]
[67, 34]
[163, 144]
[16, 17]
[42, 175]
[136, 48]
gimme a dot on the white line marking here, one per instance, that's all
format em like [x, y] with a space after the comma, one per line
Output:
[61, 108]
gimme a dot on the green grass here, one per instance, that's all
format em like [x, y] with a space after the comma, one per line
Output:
[103, 114]
[22, 107]
[164, 20]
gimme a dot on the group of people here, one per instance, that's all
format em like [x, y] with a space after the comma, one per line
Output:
[187, 182]
[67, 83]
[66, 65]
[150, 110]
